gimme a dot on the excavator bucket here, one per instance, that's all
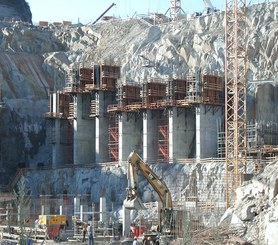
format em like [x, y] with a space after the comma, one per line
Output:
[135, 203]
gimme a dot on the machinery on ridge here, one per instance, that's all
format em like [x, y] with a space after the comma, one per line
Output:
[133, 201]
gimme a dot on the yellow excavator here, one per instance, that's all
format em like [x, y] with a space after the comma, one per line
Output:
[133, 201]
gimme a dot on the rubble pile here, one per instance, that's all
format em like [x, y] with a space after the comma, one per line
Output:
[256, 208]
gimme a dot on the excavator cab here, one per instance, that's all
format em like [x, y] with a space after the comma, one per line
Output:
[132, 200]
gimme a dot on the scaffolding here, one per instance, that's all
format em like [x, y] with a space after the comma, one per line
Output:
[163, 138]
[175, 9]
[113, 144]
[128, 97]
[261, 139]
[59, 107]
[193, 89]
[175, 91]
[212, 90]
[153, 94]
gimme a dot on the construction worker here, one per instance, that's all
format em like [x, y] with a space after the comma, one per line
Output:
[135, 242]
[90, 234]
[149, 241]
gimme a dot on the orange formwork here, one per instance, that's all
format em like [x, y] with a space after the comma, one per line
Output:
[129, 97]
[212, 90]
[61, 108]
[152, 92]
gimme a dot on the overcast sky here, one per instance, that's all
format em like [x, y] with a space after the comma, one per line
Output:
[89, 10]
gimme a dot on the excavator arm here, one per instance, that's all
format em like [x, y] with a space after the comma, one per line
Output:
[136, 164]
[133, 201]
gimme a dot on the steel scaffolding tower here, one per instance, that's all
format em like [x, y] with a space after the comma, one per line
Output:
[235, 94]
[175, 9]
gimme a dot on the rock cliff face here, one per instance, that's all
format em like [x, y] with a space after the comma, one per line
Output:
[16, 10]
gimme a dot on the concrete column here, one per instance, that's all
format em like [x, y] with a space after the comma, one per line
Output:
[76, 206]
[198, 132]
[103, 99]
[81, 212]
[171, 134]
[130, 134]
[126, 221]
[181, 133]
[206, 130]
[150, 135]
[102, 209]
[84, 136]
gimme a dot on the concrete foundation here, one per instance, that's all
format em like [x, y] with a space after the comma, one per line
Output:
[130, 134]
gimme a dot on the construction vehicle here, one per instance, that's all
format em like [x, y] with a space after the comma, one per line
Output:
[133, 201]
[54, 225]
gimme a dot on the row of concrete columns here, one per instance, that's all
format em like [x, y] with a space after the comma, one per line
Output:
[192, 133]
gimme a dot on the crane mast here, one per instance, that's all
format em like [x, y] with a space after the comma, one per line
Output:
[235, 95]
[175, 9]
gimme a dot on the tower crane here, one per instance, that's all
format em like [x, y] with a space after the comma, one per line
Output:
[175, 9]
[235, 95]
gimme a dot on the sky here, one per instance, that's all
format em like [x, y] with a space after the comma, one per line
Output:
[86, 11]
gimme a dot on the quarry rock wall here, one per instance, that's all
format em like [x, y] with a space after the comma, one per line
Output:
[15, 10]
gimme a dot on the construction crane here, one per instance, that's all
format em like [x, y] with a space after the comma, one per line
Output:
[209, 8]
[235, 95]
[113, 4]
[175, 9]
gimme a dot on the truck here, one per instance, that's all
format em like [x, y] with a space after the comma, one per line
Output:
[133, 201]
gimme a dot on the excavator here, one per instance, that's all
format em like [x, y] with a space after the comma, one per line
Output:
[133, 201]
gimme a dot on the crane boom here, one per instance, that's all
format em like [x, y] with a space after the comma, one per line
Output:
[113, 4]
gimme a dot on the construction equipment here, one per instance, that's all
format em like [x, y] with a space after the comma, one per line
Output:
[113, 4]
[54, 225]
[133, 201]
[209, 8]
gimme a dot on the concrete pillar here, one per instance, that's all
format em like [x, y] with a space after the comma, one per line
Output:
[130, 134]
[181, 133]
[171, 134]
[81, 212]
[76, 206]
[102, 209]
[61, 153]
[206, 130]
[57, 153]
[103, 99]
[150, 135]
[198, 132]
[84, 136]
[126, 221]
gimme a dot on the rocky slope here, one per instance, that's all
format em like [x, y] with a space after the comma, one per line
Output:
[256, 209]
[38, 57]
[15, 10]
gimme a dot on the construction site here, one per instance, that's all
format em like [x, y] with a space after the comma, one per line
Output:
[123, 140]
